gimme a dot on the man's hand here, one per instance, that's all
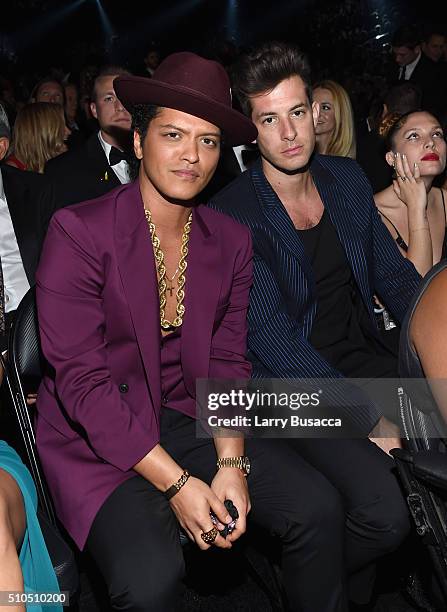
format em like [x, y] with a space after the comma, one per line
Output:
[31, 399]
[192, 505]
[386, 435]
[230, 483]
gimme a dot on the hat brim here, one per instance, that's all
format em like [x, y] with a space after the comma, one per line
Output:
[132, 90]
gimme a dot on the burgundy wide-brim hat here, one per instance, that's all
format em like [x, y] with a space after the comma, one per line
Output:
[189, 83]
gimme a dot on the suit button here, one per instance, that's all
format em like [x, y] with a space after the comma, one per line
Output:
[165, 399]
[124, 388]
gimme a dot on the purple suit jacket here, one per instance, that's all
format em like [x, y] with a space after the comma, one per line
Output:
[97, 298]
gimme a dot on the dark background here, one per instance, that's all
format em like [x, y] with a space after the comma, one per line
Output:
[346, 40]
[41, 33]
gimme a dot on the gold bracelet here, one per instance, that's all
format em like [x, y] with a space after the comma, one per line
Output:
[175, 488]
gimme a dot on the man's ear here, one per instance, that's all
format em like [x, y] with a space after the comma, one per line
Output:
[4, 147]
[93, 110]
[137, 147]
[315, 112]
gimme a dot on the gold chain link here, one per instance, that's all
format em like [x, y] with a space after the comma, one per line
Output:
[161, 272]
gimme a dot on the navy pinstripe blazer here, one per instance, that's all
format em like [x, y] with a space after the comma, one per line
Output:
[282, 300]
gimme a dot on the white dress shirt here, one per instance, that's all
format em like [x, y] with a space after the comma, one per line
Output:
[238, 153]
[409, 68]
[14, 278]
[122, 169]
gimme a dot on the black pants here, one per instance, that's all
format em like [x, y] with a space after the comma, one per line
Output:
[376, 514]
[134, 537]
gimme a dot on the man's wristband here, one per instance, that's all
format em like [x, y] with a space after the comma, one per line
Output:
[175, 488]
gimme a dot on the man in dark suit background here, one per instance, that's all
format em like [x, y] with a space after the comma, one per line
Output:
[19, 254]
[402, 98]
[19, 245]
[413, 65]
[434, 46]
[99, 165]
[320, 253]
[434, 43]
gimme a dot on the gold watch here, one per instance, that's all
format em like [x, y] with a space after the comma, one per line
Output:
[242, 463]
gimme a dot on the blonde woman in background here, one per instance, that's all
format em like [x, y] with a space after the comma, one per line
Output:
[335, 128]
[39, 135]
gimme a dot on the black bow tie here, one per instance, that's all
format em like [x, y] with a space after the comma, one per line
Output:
[116, 156]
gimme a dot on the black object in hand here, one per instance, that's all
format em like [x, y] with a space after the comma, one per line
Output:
[232, 511]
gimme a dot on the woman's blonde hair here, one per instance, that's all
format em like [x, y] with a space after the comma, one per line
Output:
[342, 141]
[38, 134]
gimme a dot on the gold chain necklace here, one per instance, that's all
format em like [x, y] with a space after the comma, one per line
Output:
[161, 272]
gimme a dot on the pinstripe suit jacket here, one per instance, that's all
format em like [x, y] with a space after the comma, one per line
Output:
[282, 300]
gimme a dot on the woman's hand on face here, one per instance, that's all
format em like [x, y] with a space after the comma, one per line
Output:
[230, 483]
[192, 505]
[408, 186]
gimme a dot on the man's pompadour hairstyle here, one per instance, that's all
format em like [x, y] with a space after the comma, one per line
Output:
[265, 67]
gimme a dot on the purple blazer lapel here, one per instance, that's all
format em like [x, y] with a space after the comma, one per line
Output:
[138, 276]
[202, 290]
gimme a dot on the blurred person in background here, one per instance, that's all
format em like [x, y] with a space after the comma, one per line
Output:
[335, 126]
[434, 44]
[48, 89]
[19, 250]
[71, 105]
[399, 100]
[5, 133]
[39, 135]
[413, 65]
[72, 119]
[101, 163]
[8, 98]
[151, 60]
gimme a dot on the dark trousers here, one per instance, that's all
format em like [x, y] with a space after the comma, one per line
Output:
[134, 537]
[376, 515]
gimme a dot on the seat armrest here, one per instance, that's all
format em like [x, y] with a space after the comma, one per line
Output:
[431, 468]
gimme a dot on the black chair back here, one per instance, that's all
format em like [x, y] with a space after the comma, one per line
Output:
[422, 463]
[24, 369]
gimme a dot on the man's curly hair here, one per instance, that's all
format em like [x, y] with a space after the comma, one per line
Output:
[142, 115]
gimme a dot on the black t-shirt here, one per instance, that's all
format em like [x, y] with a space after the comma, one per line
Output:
[342, 331]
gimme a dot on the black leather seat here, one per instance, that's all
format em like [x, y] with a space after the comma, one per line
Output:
[23, 368]
[422, 463]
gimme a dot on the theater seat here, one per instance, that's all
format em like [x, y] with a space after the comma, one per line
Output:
[422, 463]
[23, 370]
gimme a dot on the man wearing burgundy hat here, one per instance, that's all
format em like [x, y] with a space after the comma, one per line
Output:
[140, 293]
